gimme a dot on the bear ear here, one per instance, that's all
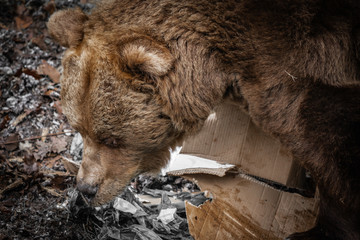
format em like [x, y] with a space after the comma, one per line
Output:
[67, 27]
[146, 56]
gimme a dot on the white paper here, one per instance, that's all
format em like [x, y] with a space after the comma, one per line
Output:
[166, 215]
[185, 161]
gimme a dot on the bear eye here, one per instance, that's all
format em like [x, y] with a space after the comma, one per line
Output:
[113, 142]
[163, 116]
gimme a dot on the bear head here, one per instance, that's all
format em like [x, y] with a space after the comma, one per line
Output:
[109, 94]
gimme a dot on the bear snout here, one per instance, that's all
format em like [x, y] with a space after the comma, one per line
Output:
[89, 191]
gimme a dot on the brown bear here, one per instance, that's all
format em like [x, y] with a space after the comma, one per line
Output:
[139, 76]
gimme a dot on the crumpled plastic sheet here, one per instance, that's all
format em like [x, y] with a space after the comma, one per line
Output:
[144, 233]
[124, 206]
[195, 199]
[167, 221]
[141, 222]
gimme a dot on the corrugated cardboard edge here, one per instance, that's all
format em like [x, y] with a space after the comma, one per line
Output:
[220, 172]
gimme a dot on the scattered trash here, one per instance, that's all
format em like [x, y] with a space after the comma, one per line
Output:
[144, 233]
[166, 215]
[40, 152]
[124, 206]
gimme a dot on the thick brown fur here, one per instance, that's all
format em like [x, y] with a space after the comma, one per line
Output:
[141, 75]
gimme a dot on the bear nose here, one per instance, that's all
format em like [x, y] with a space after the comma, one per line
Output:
[89, 191]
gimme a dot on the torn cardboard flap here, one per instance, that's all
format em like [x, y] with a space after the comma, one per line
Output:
[243, 205]
[229, 136]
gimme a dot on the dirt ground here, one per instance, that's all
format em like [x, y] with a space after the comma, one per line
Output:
[39, 150]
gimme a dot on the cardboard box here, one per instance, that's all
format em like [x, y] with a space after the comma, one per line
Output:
[247, 202]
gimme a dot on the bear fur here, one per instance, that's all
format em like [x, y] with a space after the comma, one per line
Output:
[139, 76]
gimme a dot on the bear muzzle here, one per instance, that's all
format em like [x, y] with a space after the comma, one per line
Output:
[87, 190]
